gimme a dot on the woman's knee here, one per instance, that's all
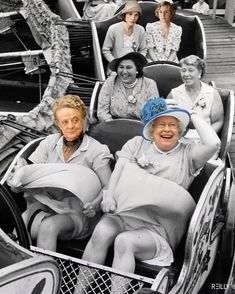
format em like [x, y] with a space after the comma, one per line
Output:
[123, 243]
[48, 226]
[103, 233]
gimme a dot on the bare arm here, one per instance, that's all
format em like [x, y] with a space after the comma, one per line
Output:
[104, 174]
[217, 112]
[209, 142]
[109, 204]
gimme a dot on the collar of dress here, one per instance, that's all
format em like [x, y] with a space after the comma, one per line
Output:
[166, 152]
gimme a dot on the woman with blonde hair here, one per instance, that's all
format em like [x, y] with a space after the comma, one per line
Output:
[163, 37]
[63, 186]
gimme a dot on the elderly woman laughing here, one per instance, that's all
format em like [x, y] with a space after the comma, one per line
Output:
[147, 191]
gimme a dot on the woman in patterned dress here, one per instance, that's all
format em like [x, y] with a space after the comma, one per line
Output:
[163, 37]
[124, 94]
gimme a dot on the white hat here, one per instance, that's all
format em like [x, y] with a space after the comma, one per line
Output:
[157, 107]
[131, 6]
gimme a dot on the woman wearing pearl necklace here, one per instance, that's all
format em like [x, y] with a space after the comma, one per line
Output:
[124, 93]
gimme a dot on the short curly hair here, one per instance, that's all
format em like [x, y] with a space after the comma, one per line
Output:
[165, 3]
[70, 101]
[196, 61]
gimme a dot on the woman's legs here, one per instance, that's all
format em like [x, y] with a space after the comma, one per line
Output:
[96, 250]
[128, 246]
[52, 228]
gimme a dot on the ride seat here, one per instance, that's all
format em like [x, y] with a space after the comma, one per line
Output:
[166, 75]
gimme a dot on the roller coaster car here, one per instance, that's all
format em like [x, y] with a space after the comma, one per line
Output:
[20, 269]
[211, 229]
[192, 41]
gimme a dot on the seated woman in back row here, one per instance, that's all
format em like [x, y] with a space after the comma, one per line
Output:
[126, 34]
[195, 95]
[124, 94]
[163, 37]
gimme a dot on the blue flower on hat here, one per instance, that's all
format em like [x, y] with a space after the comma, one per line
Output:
[153, 107]
[156, 107]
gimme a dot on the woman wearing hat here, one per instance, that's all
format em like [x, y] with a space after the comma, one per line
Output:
[163, 37]
[125, 34]
[124, 94]
[148, 190]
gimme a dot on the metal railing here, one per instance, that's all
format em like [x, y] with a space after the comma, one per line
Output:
[92, 278]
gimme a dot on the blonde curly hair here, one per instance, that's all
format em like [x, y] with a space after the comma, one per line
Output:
[70, 101]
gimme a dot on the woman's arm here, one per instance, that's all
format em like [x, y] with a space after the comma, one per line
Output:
[142, 42]
[209, 142]
[217, 112]
[108, 45]
[151, 88]
[109, 204]
[150, 43]
[152, 54]
[104, 174]
[104, 100]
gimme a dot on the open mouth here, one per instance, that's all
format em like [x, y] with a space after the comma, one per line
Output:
[166, 137]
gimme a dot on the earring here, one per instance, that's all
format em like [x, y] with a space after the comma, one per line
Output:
[137, 72]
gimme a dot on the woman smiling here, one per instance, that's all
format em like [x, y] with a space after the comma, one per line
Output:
[147, 191]
[124, 94]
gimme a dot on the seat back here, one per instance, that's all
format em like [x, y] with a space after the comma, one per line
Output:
[225, 135]
[165, 74]
[192, 41]
[116, 133]
[94, 102]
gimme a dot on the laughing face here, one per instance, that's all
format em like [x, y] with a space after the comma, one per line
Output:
[165, 132]
[190, 74]
[127, 71]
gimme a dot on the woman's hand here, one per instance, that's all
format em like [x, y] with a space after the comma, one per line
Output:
[171, 103]
[14, 178]
[108, 205]
[89, 209]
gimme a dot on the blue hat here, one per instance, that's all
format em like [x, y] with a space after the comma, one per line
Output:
[157, 107]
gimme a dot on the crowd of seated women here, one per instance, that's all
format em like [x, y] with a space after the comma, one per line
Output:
[179, 136]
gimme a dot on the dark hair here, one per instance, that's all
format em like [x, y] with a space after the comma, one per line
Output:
[123, 16]
[139, 65]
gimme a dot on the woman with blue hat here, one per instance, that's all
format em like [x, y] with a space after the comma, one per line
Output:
[147, 206]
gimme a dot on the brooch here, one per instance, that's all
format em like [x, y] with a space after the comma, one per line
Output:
[201, 102]
[131, 99]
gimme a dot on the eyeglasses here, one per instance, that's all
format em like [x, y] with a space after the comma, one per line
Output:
[161, 126]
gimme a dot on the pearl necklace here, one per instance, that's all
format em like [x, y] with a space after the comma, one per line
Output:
[129, 86]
